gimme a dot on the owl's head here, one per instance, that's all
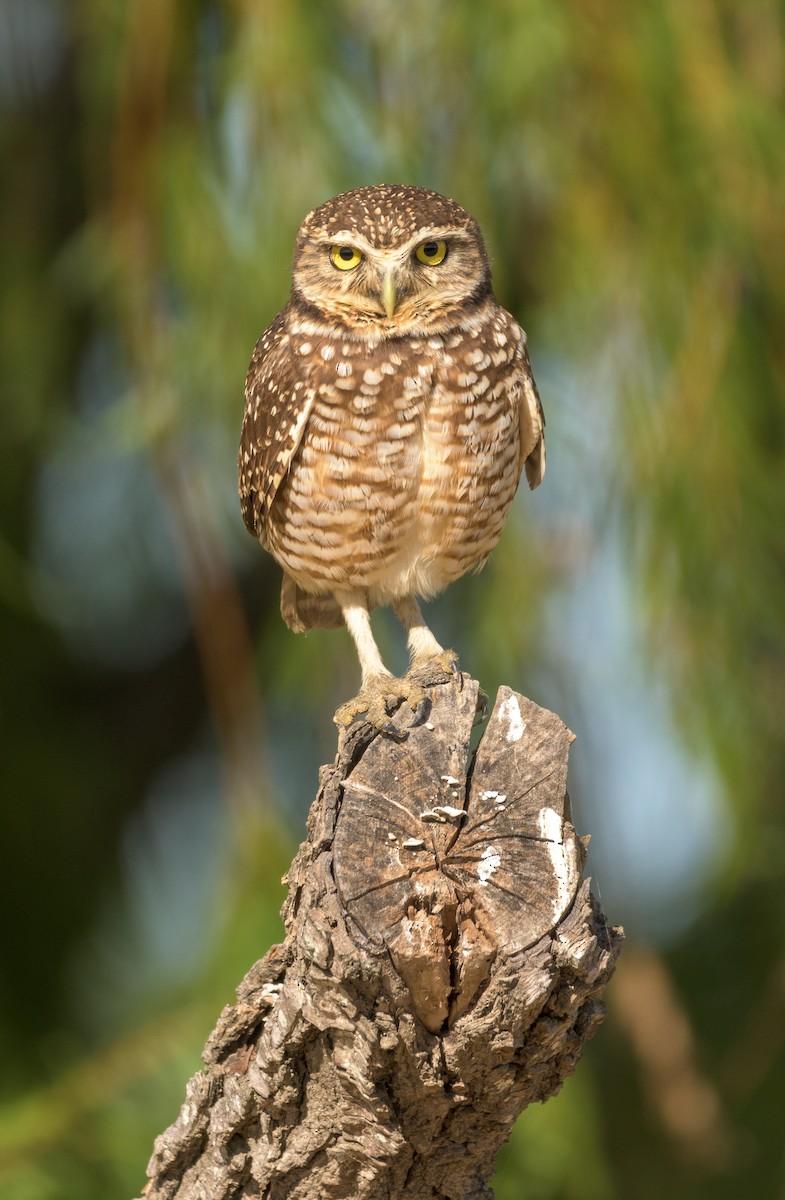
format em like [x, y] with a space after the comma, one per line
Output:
[386, 260]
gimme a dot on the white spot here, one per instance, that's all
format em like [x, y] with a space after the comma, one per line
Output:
[391, 837]
[442, 813]
[489, 795]
[328, 352]
[489, 862]
[550, 826]
[413, 844]
[450, 779]
[501, 799]
[511, 712]
[450, 812]
[344, 368]
[400, 429]
[429, 724]
[371, 376]
[305, 347]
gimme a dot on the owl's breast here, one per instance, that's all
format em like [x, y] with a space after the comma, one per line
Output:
[346, 508]
[470, 459]
[405, 471]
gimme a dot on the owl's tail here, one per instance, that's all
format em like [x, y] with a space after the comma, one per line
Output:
[302, 611]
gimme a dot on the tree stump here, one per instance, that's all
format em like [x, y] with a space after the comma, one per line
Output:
[442, 967]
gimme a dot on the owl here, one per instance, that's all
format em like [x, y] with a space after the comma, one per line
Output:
[390, 412]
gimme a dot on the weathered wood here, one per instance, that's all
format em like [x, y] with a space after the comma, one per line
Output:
[442, 967]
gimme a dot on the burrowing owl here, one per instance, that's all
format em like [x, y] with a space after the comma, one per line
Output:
[390, 410]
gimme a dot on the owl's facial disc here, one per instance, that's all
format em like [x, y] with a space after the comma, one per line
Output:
[419, 285]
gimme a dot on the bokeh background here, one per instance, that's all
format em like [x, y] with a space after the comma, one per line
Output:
[162, 729]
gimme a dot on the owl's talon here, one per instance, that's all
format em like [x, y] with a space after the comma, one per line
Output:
[380, 698]
[416, 696]
[445, 663]
[481, 711]
[449, 662]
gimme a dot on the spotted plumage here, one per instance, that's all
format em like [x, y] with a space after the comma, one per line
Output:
[390, 411]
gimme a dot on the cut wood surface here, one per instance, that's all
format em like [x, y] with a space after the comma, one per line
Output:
[442, 967]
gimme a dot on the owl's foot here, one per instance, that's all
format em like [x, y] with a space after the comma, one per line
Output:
[378, 699]
[434, 667]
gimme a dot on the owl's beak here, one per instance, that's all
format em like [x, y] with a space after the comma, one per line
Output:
[389, 293]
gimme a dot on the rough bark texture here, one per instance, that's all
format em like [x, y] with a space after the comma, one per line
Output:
[442, 967]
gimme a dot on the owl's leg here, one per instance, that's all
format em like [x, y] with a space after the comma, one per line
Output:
[423, 646]
[358, 622]
[380, 693]
[427, 654]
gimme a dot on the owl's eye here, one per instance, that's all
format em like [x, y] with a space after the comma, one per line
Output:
[431, 252]
[345, 258]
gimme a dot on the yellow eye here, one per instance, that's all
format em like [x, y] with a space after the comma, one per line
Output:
[345, 258]
[431, 252]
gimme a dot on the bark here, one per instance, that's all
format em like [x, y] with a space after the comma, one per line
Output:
[442, 968]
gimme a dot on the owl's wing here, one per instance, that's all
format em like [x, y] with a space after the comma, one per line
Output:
[278, 402]
[532, 421]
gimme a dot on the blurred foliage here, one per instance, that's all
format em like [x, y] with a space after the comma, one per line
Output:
[161, 729]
